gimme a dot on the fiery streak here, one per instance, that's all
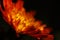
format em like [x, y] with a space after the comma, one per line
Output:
[23, 21]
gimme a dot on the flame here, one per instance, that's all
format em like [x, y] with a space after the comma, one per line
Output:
[23, 21]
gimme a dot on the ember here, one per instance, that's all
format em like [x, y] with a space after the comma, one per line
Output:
[24, 22]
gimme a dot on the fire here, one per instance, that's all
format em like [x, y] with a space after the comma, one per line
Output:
[23, 21]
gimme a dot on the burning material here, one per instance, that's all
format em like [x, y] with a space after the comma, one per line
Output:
[23, 21]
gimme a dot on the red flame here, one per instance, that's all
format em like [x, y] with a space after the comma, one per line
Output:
[23, 21]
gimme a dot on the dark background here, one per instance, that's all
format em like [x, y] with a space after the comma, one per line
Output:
[45, 13]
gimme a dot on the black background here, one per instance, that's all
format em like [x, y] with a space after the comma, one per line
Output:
[45, 13]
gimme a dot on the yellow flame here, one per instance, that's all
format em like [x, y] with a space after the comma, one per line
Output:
[21, 20]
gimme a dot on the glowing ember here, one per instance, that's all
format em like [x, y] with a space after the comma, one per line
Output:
[23, 21]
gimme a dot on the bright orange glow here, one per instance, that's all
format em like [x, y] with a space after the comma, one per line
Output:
[23, 21]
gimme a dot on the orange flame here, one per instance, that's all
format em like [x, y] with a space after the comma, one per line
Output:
[23, 21]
